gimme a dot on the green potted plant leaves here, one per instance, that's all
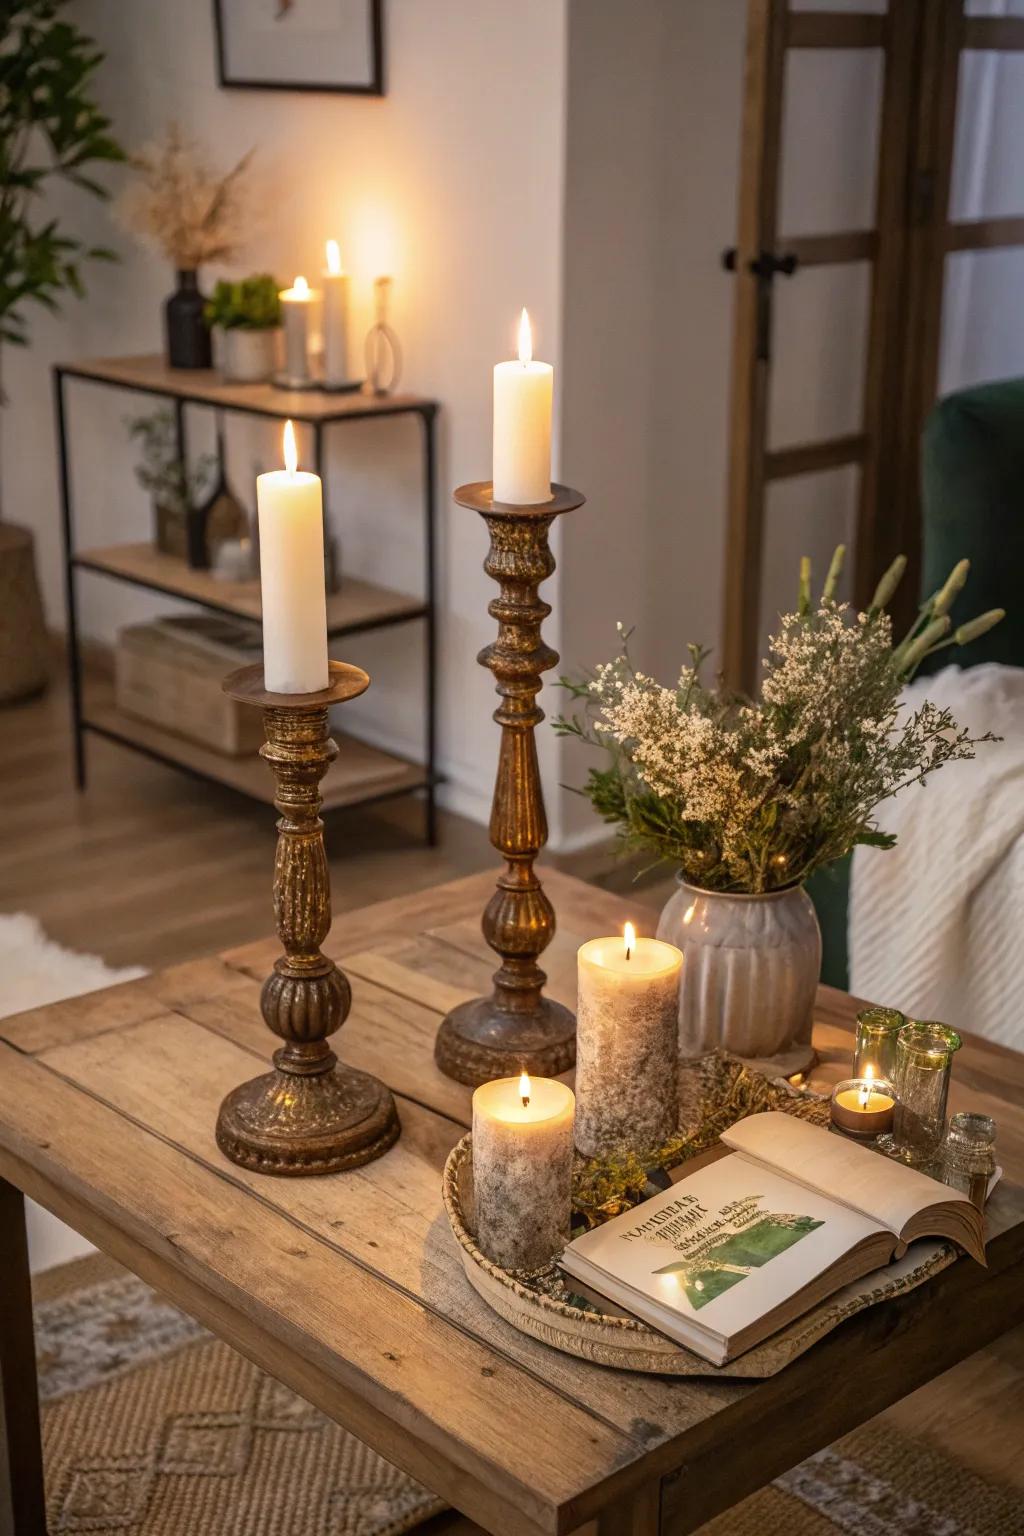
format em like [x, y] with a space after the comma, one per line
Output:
[50, 131]
[173, 487]
[248, 315]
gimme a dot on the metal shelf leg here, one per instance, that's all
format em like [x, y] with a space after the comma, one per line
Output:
[70, 602]
[429, 418]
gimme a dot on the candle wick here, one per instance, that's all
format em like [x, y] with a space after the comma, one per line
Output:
[526, 1101]
[629, 952]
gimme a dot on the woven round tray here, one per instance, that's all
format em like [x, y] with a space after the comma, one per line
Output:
[543, 1306]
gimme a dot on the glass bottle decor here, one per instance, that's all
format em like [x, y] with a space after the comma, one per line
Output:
[186, 331]
[924, 1057]
[969, 1155]
[877, 1031]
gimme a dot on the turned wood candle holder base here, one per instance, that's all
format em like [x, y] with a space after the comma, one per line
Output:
[311, 1114]
[516, 1029]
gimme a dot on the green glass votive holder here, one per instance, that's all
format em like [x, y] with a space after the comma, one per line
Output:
[877, 1032]
[924, 1059]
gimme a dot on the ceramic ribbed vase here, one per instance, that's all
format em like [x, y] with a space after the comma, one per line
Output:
[750, 969]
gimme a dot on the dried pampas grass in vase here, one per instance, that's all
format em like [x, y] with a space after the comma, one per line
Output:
[192, 214]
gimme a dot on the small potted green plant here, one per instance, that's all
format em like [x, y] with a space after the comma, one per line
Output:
[173, 487]
[247, 314]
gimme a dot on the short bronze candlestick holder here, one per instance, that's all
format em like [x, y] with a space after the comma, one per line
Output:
[517, 1028]
[311, 1114]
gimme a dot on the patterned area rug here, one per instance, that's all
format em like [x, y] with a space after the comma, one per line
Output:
[153, 1428]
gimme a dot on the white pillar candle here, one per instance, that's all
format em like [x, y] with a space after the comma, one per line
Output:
[522, 1169]
[297, 319]
[335, 318]
[627, 1026]
[521, 463]
[290, 508]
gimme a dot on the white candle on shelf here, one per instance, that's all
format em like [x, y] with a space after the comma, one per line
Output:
[521, 465]
[335, 318]
[627, 1026]
[297, 319]
[522, 1169]
[290, 507]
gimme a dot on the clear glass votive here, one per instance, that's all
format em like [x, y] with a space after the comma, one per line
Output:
[969, 1155]
[877, 1030]
[924, 1057]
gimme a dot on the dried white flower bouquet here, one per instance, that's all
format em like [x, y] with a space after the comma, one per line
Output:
[750, 796]
[184, 208]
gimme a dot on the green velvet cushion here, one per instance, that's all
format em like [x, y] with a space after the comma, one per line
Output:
[972, 473]
[972, 481]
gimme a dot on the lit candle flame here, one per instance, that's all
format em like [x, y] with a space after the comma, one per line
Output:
[300, 288]
[291, 452]
[629, 937]
[864, 1092]
[333, 258]
[525, 339]
[524, 1089]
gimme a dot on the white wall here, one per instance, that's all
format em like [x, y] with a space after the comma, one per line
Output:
[453, 183]
[578, 156]
[652, 153]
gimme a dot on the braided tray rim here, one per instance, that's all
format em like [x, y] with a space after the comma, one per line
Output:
[628, 1343]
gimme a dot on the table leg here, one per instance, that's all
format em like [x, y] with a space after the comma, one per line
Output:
[638, 1514]
[22, 1504]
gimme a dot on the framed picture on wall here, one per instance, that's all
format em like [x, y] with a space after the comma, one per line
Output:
[300, 45]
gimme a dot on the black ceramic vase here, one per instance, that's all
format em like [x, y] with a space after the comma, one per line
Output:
[188, 337]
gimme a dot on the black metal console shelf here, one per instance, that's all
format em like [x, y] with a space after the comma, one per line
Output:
[361, 774]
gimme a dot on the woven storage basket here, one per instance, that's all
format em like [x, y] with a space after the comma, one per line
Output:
[23, 649]
[170, 672]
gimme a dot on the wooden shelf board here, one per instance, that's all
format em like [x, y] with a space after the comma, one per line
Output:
[358, 605]
[205, 386]
[359, 772]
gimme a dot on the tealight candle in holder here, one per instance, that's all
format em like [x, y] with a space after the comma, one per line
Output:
[522, 1169]
[863, 1106]
[627, 1045]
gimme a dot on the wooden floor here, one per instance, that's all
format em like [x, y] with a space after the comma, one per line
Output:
[148, 867]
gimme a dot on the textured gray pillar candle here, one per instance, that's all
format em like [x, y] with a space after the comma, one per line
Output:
[522, 1169]
[627, 1027]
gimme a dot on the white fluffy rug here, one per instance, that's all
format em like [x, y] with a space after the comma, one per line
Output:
[34, 971]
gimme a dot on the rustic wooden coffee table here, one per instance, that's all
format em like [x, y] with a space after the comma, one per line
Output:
[350, 1290]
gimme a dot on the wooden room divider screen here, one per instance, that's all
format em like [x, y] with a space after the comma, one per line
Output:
[922, 42]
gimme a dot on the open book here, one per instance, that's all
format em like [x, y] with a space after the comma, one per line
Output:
[742, 1245]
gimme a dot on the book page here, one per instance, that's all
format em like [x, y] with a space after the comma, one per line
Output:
[874, 1185]
[725, 1245]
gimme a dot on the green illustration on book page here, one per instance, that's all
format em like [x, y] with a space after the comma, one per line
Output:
[713, 1256]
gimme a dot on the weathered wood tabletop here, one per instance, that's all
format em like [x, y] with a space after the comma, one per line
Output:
[350, 1289]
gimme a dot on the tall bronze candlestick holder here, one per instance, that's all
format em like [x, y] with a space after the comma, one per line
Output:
[311, 1114]
[517, 1028]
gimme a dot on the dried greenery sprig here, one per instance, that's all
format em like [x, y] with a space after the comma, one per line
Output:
[752, 796]
[177, 203]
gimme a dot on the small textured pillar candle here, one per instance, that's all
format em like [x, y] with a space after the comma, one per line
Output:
[289, 503]
[335, 318]
[522, 1169]
[627, 1028]
[296, 318]
[523, 393]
